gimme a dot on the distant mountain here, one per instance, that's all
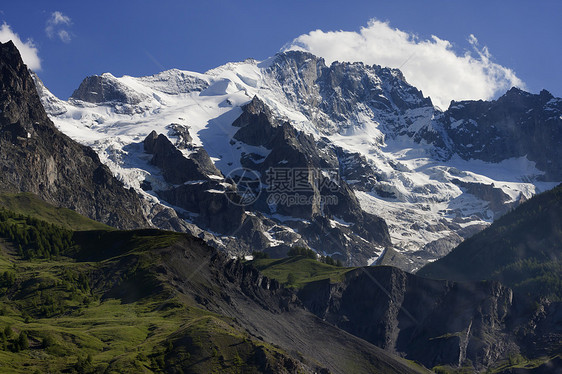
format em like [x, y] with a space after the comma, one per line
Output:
[36, 157]
[370, 171]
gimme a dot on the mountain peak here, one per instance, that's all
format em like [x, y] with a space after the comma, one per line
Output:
[105, 88]
[10, 52]
[546, 94]
[17, 91]
[516, 92]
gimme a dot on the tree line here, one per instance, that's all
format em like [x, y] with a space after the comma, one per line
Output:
[34, 238]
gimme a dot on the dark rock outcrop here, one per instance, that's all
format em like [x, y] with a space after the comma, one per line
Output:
[517, 124]
[199, 188]
[182, 133]
[433, 322]
[176, 168]
[36, 157]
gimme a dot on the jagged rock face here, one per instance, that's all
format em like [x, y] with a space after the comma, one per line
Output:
[182, 133]
[36, 157]
[433, 322]
[293, 150]
[357, 172]
[257, 125]
[196, 185]
[342, 92]
[175, 167]
[515, 125]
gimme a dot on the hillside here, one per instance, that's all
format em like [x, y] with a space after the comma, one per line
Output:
[153, 301]
[298, 271]
[523, 250]
[31, 205]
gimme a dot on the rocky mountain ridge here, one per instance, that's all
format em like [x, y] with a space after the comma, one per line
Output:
[397, 157]
[36, 157]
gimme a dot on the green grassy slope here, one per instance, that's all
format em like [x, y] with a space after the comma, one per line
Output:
[30, 205]
[302, 270]
[79, 311]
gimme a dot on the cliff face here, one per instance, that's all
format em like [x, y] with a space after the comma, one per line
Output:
[515, 125]
[36, 157]
[433, 322]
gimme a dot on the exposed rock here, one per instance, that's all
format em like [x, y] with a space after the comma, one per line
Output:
[320, 194]
[35, 157]
[208, 201]
[338, 90]
[487, 192]
[433, 322]
[105, 89]
[357, 172]
[182, 133]
[176, 168]
[517, 124]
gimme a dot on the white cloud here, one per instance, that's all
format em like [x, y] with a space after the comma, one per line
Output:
[57, 18]
[55, 27]
[28, 50]
[430, 65]
[64, 36]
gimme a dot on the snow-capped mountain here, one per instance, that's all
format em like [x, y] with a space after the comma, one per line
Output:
[359, 141]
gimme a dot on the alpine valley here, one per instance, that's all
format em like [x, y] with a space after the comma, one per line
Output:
[277, 216]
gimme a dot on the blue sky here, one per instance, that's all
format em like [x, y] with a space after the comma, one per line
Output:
[143, 38]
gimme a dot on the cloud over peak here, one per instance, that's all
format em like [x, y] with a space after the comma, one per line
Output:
[56, 26]
[27, 49]
[430, 65]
